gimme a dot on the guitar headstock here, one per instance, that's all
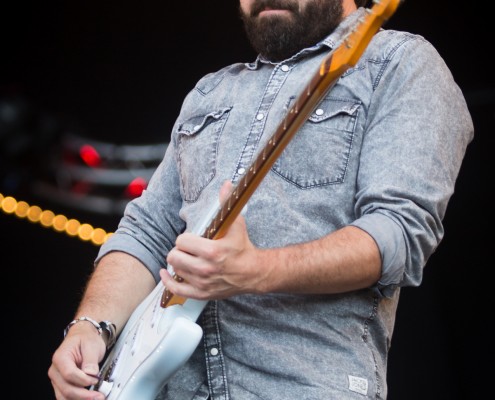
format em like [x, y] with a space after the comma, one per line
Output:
[352, 47]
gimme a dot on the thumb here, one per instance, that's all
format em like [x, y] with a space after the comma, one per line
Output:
[92, 355]
[225, 191]
[90, 368]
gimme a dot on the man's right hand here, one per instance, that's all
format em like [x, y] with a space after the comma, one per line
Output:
[75, 364]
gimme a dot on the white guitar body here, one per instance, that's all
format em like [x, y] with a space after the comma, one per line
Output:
[154, 344]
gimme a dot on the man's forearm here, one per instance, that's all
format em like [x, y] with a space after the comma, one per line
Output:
[345, 260]
[118, 284]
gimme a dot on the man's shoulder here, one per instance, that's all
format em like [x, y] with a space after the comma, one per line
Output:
[232, 69]
[395, 37]
[212, 79]
[388, 43]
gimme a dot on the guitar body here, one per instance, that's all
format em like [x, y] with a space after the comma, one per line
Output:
[154, 344]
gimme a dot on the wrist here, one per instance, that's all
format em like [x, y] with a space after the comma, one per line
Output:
[105, 329]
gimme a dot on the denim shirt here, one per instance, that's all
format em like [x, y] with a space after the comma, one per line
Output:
[382, 152]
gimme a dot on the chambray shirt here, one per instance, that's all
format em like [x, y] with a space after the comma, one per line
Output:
[381, 152]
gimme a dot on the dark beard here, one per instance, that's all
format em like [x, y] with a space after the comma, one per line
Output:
[277, 39]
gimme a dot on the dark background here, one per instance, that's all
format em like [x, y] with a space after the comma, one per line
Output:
[118, 71]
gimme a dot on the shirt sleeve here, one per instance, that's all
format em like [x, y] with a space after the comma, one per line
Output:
[418, 129]
[151, 222]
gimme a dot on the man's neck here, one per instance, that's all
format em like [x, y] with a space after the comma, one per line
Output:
[349, 6]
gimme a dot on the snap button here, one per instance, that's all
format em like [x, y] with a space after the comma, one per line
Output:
[319, 111]
[241, 170]
[285, 68]
[214, 351]
[260, 116]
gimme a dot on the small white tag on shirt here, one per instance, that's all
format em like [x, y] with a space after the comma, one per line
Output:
[358, 385]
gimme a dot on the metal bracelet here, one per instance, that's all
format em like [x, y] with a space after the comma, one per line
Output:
[90, 320]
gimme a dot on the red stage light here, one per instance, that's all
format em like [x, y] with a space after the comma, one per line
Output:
[136, 187]
[90, 156]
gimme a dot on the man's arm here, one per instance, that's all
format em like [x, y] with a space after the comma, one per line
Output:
[117, 286]
[347, 259]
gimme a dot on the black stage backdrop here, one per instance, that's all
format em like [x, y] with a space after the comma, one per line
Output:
[117, 72]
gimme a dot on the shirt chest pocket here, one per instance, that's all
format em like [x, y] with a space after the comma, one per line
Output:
[198, 139]
[318, 154]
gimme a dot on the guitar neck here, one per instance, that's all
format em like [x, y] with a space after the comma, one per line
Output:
[345, 55]
[265, 159]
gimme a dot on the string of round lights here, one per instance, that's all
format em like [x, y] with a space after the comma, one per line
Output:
[49, 219]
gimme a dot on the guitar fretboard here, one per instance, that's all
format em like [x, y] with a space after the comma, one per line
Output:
[265, 159]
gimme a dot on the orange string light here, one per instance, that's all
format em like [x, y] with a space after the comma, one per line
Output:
[48, 219]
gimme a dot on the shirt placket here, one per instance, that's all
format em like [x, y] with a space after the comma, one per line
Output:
[278, 76]
[215, 365]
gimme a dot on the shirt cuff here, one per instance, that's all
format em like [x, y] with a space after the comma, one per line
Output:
[389, 238]
[129, 245]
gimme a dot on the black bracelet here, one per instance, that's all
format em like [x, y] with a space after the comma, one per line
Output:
[111, 329]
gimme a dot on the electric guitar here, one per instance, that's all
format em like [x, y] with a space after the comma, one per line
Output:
[162, 333]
